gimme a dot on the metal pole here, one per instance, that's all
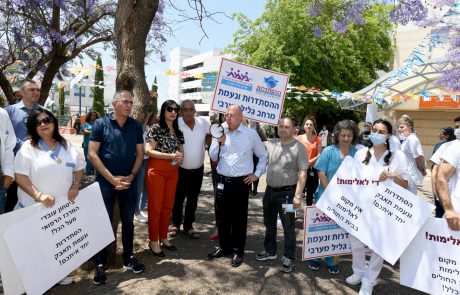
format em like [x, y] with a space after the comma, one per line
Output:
[79, 100]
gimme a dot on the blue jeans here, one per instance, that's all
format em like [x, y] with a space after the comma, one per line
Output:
[272, 203]
[2, 200]
[127, 204]
[142, 196]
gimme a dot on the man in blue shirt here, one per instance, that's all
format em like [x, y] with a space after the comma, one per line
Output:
[116, 150]
[18, 114]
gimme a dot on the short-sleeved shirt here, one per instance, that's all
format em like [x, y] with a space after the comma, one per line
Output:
[285, 161]
[437, 157]
[412, 148]
[329, 162]
[18, 115]
[452, 156]
[312, 148]
[165, 141]
[86, 126]
[118, 144]
[46, 174]
[194, 149]
[397, 163]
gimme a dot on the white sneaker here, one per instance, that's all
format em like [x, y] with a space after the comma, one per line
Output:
[353, 280]
[366, 289]
[140, 218]
[66, 281]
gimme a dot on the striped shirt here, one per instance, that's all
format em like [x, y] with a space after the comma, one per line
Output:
[237, 151]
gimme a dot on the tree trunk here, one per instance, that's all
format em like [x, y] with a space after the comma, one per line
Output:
[48, 77]
[6, 87]
[133, 20]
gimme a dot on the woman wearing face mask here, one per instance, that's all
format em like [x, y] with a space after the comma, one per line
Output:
[393, 166]
[412, 148]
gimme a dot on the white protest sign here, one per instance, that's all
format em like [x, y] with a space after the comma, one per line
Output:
[322, 236]
[384, 216]
[51, 243]
[260, 93]
[432, 260]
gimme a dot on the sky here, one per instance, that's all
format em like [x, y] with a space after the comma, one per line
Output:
[188, 34]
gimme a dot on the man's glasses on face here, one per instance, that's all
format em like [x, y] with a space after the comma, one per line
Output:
[127, 102]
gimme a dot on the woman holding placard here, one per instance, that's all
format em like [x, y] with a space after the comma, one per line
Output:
[345, 135]
[47, 167]
[393, 165]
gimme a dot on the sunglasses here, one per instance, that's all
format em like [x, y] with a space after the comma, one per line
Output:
[171, 109]
[44, 121]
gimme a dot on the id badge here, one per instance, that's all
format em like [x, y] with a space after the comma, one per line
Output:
[312, 173]
[288, 208]
[220, 190]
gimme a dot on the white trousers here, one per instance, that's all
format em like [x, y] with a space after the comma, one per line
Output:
[369, 272]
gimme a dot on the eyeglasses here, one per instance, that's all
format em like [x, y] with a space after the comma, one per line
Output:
[127, 102]
[171, 109]
[44, 121]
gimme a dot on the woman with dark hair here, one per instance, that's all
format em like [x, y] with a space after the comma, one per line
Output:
[412, 148]
[391, 165]
[47, 167]
[164, 146]
[345, 135]
[312, 143]
[86, 130]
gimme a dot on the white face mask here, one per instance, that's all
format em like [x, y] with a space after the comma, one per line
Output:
[457, 133]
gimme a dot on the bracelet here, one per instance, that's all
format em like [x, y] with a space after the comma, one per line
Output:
[298, 197]
[38, 196]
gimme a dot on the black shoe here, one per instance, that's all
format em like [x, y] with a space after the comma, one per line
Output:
[219, 252]
[99, 275]
[159, 254]
[236, 260]
[253, 194]
[170, 247]
[132, 264]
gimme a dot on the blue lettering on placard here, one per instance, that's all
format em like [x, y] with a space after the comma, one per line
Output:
[236, 85]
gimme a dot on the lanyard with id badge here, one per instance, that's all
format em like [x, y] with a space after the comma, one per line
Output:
[217, 131]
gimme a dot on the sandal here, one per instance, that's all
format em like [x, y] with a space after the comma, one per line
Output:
[192, 234]
[173, 231]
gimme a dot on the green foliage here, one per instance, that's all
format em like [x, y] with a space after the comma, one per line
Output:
[154, 85]
[283, 40]
[61, 102]
[98, 92]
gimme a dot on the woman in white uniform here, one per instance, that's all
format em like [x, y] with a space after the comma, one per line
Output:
[47, 167]
[393, 165]
[412, 148]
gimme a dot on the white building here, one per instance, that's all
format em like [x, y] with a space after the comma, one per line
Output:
[192, 75]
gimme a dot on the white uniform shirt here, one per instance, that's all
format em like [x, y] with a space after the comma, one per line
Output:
[194, 149]
[398, 162]
[46, 175]
[7, 144]
[437, 157]
[413, 149]
[452, 156]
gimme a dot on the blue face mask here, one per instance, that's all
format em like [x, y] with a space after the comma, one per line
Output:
[377, 139]
[402, 137]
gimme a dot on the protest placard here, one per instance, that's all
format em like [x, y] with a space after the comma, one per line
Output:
[432, 260]
[260, 93]
[382, 215]
[49, 244]
[322, 236]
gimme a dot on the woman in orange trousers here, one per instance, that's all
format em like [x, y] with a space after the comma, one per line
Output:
[165, 150]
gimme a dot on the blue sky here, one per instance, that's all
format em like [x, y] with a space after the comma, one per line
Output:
[188, 34]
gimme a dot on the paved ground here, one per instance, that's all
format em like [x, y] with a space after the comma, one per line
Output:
[187, 272]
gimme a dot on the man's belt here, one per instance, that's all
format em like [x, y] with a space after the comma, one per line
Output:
[283, 188]
[230, 178]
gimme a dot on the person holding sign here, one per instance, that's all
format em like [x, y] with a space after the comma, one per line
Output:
[411, 146]
[165, 148]
[233, 153]
[393, 166]
[345, 135]
[286, 177]
[47, 167]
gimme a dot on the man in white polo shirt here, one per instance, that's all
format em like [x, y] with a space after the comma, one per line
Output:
[191, 170]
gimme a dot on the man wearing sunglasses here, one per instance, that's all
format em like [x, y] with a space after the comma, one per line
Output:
[235, 170]
[18, 114]
[116, 150]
